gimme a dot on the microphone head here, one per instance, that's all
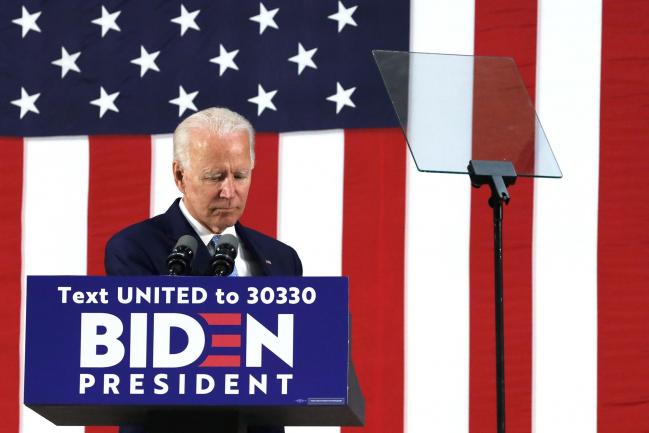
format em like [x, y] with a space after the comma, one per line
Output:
[180, 260]
[226, 251]
[187, 241]
[230, 242]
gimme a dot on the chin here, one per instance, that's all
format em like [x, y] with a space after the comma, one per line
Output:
[222, 224]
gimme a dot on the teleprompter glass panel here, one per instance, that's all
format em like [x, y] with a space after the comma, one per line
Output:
[455, 108]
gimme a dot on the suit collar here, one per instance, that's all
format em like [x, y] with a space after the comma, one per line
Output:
[179, 226]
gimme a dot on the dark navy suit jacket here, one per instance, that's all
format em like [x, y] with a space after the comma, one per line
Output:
[142, 249]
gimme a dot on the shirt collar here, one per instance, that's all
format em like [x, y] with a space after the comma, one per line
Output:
[203, 232]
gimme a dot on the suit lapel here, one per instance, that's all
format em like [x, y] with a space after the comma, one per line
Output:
[265, 265]
[179, 226]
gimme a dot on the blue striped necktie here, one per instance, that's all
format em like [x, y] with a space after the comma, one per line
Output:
[212, 247]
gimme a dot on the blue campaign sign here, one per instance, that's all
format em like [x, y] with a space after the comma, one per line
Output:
[186, 341]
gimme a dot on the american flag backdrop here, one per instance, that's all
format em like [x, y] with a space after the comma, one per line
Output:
[87, 150]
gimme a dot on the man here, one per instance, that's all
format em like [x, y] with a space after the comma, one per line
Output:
[212, 167]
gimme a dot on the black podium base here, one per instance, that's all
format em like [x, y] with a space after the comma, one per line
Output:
[196, 422]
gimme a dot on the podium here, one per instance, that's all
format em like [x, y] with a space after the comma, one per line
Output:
[200, 354]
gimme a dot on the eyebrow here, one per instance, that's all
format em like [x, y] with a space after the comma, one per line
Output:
[217, 173]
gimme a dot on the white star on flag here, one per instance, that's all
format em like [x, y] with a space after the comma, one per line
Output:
[303, 58]
[186, 20]
[26, 102]
[342, 97]
[263, 100]
[107, 21]
[265, 18]
[184, 101]
[105, 102]
[28, 21]
[67, 62]
[225, 60]
[146, 61]
[344, 16]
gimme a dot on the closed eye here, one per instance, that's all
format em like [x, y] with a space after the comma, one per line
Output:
[214, 177]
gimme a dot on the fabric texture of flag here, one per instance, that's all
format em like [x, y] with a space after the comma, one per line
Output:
[89, 92]
[136, 67]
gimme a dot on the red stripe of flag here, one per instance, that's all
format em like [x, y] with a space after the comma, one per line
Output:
[11, 196]
[503, 28]
[623, 234]
[261, 208]
[373, 258]
[119, 190]
[118, 196]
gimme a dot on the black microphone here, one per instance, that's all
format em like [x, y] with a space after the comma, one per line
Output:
[179, 261]
[224, 255]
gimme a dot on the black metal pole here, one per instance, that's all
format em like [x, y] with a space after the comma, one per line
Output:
[496, 202]
[499, 175]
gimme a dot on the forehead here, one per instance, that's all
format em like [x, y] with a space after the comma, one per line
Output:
[204, 144]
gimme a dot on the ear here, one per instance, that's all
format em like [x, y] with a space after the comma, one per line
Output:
[179, 178]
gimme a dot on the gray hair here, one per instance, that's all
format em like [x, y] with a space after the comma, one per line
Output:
[217, 120]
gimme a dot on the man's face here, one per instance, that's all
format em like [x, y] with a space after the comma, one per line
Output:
[216, 183]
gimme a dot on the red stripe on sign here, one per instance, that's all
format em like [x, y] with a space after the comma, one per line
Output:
[261, 208]
[503, 28]
[11, 196]
[222, 361]
[373, 258]
[226, 340]
[118, 196]
[623, 234]
[119, 190]
[222, 318]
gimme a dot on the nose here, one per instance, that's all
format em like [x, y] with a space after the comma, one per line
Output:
[227, 188]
